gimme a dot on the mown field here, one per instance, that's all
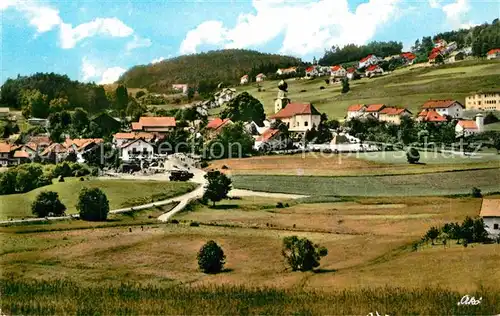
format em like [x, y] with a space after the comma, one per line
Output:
[355, 164]
[120, 193]
[404, 87]
[151, 270]
[432, 184]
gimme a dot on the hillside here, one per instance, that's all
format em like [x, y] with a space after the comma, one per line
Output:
[212, 67]
[404, 87]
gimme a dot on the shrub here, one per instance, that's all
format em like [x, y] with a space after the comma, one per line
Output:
[204, 164]
[412, 155]
[301, 254]
[47, 203]
[476, 192]
[93, 204]
[211, 257]
[174, 221]
[322, 88]
[432, 234]
[61, 179]
[279, 205]
[194, 224]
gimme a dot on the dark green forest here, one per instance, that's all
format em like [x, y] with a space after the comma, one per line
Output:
[208, 68]
[351, 52]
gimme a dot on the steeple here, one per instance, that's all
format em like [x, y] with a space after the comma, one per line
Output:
[282, 100]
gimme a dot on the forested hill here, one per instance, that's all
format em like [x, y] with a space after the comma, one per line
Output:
[212, 67]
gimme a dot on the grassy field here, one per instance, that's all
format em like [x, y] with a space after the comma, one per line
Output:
[370, 266]
[120, 193]
[356, 164]
[404, 87]
[446, 183]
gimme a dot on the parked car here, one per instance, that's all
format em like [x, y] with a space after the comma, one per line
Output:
[180, 175]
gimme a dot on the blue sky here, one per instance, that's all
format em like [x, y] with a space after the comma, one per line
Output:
[95, 40]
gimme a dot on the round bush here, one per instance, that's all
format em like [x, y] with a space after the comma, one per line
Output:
[47, 203]
[211, 257]
[93, 204]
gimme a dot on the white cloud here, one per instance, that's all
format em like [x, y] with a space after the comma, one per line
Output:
[138, 42]
[111, 75]
[157, 60]
[89, 71]
[435, 4]
[70, 36]
[45, 18]
[307, 27]
[456, 12]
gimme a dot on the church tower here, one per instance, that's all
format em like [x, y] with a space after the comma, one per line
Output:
[282, 100]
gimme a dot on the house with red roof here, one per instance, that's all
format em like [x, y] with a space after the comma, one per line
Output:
[154, 124]
[6, 150]
[490, 213]
[311, 72]
[493, 54]
[299, 117]
[260, 77]
[466, 128]
[451, 108]
[374, 109]
[136, 149]
[286, 71]
[351, 73]
[393, 115]
[271, 139]
[430, 115]
[244, 79]
[368, 61]
[120, 139]
[355, 110]
[216, 125]
[374, 70]
[337, 72]
[408, 58]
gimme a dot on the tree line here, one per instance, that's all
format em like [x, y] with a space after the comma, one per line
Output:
[351, 52]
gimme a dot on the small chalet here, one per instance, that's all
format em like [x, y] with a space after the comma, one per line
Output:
[493, 54]
[430, 115]
[20, 157]
[409, 58]
[244, 79]
[351, 73]
[271, 139]
[355, 110]
[216, 125]
[393, 115]
[490, 213]
[154, 124]
[260, 77]
[311, 72]
[374, 109]
[299, 117]
[368, 61]
[337, 72]
[466, 128]
[136, 149]
[454, 57]
[451, 108]
[434, 54]
[5, 154]
[374, 70]
[181, 87]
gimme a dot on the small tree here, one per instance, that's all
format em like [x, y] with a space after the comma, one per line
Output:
[345, 85]
[301, 254]
[93, 204]
[476, 192]
[432, 234]
[412, 155]
[47, 203]
[218, 186]
[211, 257]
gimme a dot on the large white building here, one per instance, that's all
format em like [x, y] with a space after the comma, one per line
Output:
[450, 108]
[483, 101]
[137, 149]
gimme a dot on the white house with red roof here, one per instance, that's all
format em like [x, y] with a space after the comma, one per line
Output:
[408, 57]
[374, 109]
[244, 79]
[260, 77]
[337, 72]
[451, 108]
[154, 124]
[311, 72]
[393, 115]
[374, 70]
[355, 110]
[466, 128]
[119, 139]
[490, 213]
[216, 125]
[271, 139]
[350, 73]
[368, 61]
[493, 54]
[136, 149]
[299, 117]
[430, 115]
[181, 87]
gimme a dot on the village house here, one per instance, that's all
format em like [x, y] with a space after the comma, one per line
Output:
[355, 110]
[254, 129]
[393, 115]
[374, 109]
[215, 126]
[490, 213]
[119, 139]
[337, 72]
[271, 139]
[5, 154]
[299, 117]
[351, 73]
[450, 47]
[137, 149]
[160, 124]
[374, 70]
[181, 87]
[451, 108]
[483, 101]
[260, 77]
[368, 61]
[20, 157]
[224, 95]
[465, 128]
[56, 152]
[408, 58]
[311, 72]
[454, 57]
[244, 79]
[286, 71]
[493, 54]
[440, 43]
[430, 115]
[4, 113]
